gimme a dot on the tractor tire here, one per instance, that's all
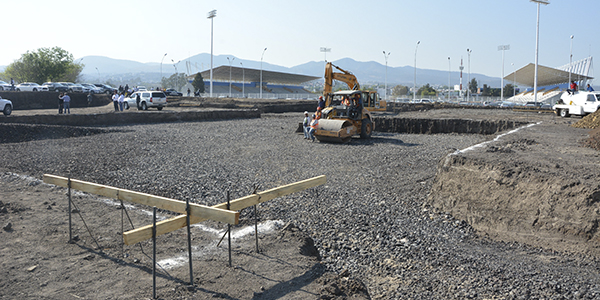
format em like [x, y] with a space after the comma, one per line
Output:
[366, 129]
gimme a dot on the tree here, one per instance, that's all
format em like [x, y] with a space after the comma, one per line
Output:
[427, 90]
[198, 83]
[399, 90]
[176, 81]
[473, 86]
[509, 90]
[44, 64]
[485, 91]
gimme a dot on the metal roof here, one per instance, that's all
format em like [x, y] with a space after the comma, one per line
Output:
[546, 76]
[253, 75]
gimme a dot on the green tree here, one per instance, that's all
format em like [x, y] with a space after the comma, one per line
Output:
[399, 90]
[509, 90]
[426, 90]
[175, 81]
[473, 86]
[44, 64]
[198, 83]
[486, 91]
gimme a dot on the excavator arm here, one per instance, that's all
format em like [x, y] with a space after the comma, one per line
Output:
[345, 77]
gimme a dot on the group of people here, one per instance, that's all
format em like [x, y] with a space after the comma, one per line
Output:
[118, 99]
[573, 88]
[64, 103]
[309, 124]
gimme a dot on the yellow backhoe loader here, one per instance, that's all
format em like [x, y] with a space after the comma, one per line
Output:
[346, 113]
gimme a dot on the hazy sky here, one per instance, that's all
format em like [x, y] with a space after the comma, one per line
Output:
[294, 31]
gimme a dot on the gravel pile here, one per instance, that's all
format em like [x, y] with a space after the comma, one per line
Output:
[590, 121]
[368, 219]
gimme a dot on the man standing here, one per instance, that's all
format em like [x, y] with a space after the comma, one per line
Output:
[121, 100]
[306, 125]
[60, 103]
[67, 103]
[137, 100]
[115, 99]
[89, 98]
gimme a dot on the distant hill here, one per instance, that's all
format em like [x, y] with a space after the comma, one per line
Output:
[101, 68]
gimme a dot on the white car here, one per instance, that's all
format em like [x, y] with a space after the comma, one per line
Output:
[4, 86]
[147, 99]
[6, 106]
[30, 87]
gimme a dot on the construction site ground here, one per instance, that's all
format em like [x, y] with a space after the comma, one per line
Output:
[403, 216]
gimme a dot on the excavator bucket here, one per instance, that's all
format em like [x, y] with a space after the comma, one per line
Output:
[335, 131]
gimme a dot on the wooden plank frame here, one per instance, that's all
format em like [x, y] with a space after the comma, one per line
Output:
[166, 226]
[196, 210]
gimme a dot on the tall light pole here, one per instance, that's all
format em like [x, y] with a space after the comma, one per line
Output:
[161, 61]
[469, 71]
[261, 59]
[537, 43]
[449, 70]
[243, 80]
[502, 48]
[514, 80]
[230, 61]
[385, 55]
[211, 15]
[570, 62]
[98, 73]
[415, 81]
[176, 72]
[325, 50]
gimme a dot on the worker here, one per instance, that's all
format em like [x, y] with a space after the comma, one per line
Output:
[573, 88]
[321, 102]
[346, 101]
[589, 88]
[319, 114]
[313, 127]
[306, 125]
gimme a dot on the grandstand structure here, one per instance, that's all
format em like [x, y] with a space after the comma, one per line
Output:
[245, 83]
[552, 82]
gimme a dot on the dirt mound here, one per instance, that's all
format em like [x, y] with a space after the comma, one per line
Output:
[590, 121]
[534, 189]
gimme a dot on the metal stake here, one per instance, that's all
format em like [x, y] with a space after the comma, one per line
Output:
[122, 227]
[256, 227]
[69, 193]
[154, 253]
[229, 229]
[189, 238]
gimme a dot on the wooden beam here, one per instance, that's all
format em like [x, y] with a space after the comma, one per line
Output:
[196, 210]
[143, 233]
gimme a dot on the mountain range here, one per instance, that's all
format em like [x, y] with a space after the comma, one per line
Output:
[102, 69]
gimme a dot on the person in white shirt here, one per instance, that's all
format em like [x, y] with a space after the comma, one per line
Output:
[115, 99]
[121, 100]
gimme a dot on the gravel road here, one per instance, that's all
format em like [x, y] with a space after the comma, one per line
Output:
[368, 219]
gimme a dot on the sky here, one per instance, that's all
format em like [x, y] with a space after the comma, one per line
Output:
[294, 31]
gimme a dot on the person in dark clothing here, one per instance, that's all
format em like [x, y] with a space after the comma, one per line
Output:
[321, 102]
[137, 100]
[61, 103]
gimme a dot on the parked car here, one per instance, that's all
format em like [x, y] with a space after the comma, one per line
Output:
[91, 88]
[105, 88]
[141, 88]
[30, 87]
[172, 92]
[147, 99]
[533, 104]
[507, 104]
[6, 106]
[55, 87]
[4, 86]
[72, 87]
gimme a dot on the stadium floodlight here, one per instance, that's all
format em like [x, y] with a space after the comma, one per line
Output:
[161, 61]
[469, 71]
[415, 82]
[261, 84]
[385, 55]
[537, 44]
[570, 62]
[502, 48]
[211, 15]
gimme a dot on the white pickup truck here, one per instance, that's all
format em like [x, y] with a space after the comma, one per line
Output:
[580, 103]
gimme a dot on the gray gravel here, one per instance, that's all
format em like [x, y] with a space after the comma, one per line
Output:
[368, 219]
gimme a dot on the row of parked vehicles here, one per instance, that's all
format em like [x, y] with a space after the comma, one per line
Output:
[97, 88]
